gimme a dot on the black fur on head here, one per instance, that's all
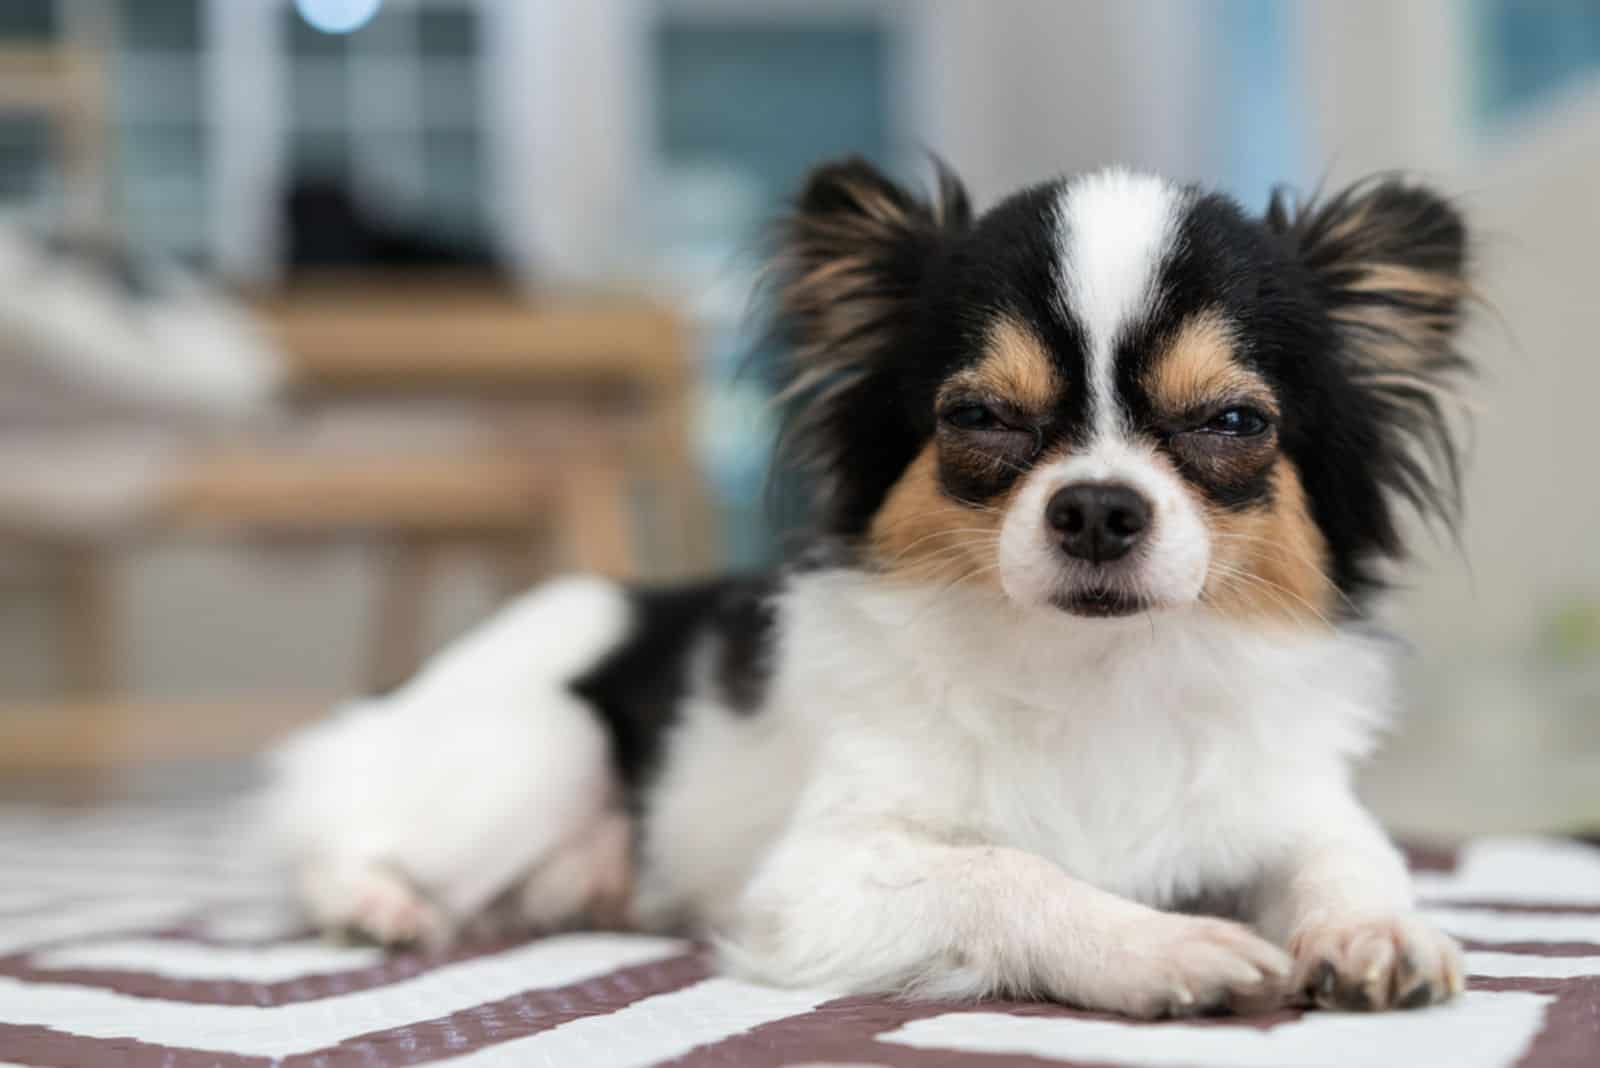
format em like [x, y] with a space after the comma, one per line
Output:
[849, 265]
[1388, 262]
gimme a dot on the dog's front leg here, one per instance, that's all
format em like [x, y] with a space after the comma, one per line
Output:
[886, 908]
[1341, 900]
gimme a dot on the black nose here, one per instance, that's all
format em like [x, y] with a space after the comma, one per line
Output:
[1098, 521]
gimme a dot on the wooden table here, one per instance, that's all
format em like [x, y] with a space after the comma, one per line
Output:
[621, 369]
[95, 737]
[354, 335]
[350, 338]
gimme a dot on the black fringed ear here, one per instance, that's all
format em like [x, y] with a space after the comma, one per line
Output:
[1389, 262]
[847, 268]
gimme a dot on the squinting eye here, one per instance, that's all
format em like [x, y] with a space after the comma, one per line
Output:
[1237, 423]
[973, 417]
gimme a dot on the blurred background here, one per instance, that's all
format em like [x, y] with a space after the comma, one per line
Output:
[327, 324]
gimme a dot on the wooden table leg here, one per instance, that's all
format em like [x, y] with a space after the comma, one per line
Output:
[598, 517]
[684, 503]
[89, 641]
[519, 562]
[401, 610]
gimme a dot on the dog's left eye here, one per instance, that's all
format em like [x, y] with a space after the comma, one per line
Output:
[1240, 422]
[973, 417]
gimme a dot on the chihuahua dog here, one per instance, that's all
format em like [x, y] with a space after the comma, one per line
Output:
[1065, 701]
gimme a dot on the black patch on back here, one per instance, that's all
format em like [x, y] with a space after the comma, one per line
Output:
[745, 623]
[639, 687]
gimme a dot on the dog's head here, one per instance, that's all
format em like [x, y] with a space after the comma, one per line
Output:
[1112, 394]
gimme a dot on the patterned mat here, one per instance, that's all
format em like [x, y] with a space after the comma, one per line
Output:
[155, 936]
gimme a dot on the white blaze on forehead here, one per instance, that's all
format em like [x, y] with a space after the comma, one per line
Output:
[1114, 227]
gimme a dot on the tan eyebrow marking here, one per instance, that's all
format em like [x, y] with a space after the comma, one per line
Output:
[1015, 368]
[1200, 366]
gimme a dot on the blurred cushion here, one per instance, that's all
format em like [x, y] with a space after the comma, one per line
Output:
[88, 332]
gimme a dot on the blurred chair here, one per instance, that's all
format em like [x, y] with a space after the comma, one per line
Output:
[111, 368]
[581, 408]
[558, 416]
[138, 404]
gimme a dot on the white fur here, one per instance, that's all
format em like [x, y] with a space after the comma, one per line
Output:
[1113, 228]
[1168, 569]
[952, 737]
[461, 780]
[945, 792]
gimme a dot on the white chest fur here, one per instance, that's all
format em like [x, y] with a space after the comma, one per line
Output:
[1156, 757]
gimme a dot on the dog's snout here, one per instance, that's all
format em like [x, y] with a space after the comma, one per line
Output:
[1098, 521]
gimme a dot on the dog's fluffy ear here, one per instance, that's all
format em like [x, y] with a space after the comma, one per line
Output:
[850, 258]
[848, 266]
[1389, 260]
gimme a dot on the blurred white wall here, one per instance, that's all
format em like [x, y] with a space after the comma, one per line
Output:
[1533, 528]
[1496, 730]
[1025, 90]
[1390, 92]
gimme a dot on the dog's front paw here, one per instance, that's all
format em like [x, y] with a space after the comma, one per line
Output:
[1186, 965]
[1390, 962]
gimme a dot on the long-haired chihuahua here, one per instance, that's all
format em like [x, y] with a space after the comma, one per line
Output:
[1064, 702]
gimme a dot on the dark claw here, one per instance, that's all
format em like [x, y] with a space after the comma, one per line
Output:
[1356, 999]
[1328, 989]
[1417, 997]
[1324, 980]
[351, 935]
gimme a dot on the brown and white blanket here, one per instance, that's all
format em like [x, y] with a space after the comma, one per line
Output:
[156, 936]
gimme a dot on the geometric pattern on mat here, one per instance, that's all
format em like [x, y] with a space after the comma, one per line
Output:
[158, 936]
